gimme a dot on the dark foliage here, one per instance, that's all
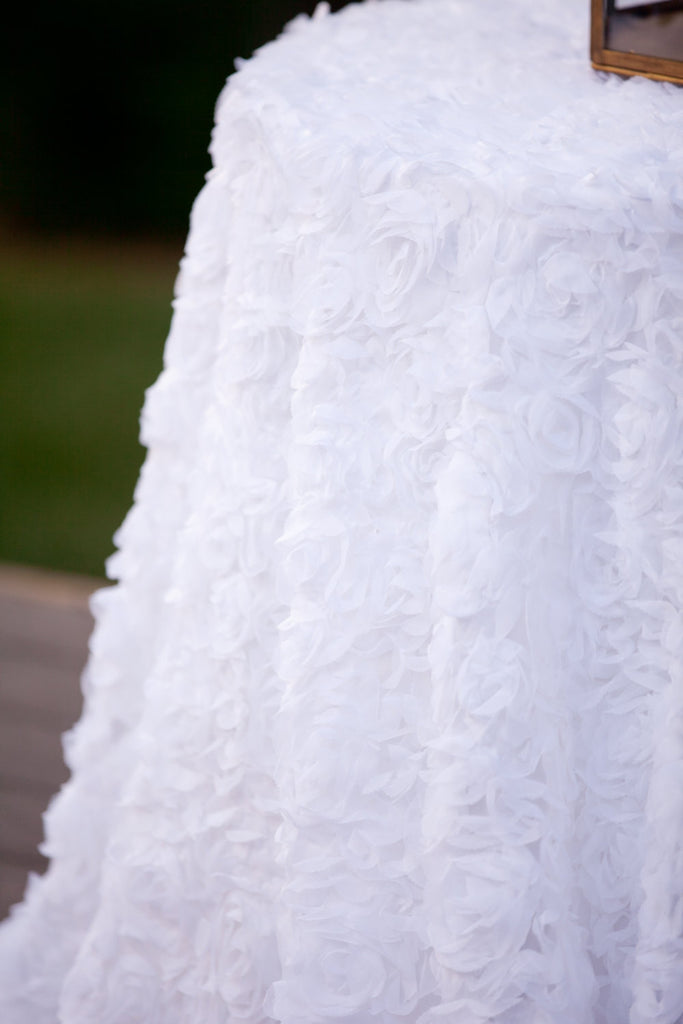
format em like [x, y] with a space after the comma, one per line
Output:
[106, 109]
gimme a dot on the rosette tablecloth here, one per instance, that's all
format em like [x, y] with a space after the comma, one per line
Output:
[384, 717]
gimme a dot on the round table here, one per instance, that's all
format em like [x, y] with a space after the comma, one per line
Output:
[384, 717]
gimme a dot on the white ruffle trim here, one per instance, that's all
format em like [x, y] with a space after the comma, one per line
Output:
[384, 719]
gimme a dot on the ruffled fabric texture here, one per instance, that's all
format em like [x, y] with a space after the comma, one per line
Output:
[384, 717]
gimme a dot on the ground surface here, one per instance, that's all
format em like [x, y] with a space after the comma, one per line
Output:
[44, 629]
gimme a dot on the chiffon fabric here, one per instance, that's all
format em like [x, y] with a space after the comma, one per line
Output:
[384, 717]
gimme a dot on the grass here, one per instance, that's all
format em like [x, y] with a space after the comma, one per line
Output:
[82, 329]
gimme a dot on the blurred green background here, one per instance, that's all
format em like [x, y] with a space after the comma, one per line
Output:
[105, 118]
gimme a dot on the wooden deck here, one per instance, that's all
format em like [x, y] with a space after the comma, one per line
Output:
[44, 629]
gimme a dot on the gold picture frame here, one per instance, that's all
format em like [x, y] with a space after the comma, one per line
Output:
[638, 39]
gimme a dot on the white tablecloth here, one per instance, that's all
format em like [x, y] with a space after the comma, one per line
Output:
[384, 720]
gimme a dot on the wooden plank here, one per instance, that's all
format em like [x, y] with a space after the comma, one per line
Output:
[38, 631]
[13, 879]
[30, 755]
[44, 586]
[21, 828]
[34, 690]
[44, 628]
